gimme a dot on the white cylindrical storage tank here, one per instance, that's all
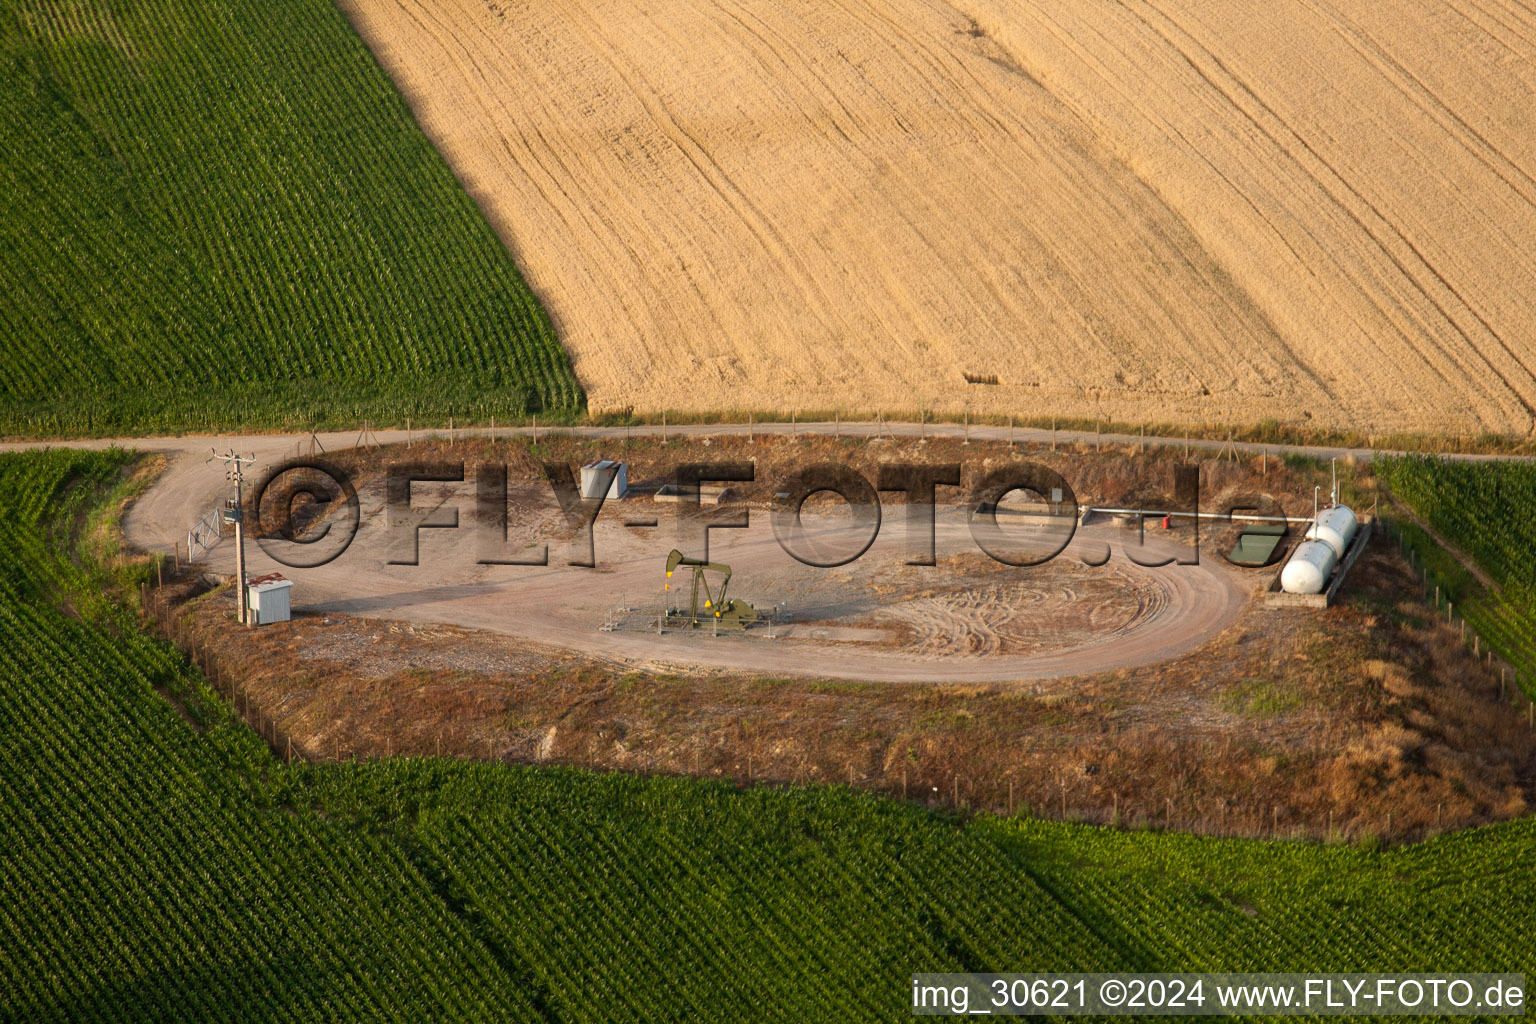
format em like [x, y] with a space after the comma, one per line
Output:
[1309, 567]
[1335, 527]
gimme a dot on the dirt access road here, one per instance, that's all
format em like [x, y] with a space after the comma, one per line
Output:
[967, 619]
[1174, 609]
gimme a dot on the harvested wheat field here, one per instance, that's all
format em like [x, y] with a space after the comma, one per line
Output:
[1316, 212]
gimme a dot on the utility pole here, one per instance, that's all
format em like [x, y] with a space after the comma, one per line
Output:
[235, 464]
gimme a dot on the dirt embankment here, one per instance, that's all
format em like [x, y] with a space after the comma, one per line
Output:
[1371, 715]
[1276, 723]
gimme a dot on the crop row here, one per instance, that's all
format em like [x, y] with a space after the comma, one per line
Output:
[219, 214]
[1488, 510]
[158, 864]
[142, 880]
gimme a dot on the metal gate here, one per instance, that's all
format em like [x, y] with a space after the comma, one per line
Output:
[205, 534]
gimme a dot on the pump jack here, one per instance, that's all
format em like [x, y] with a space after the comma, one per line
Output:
[718, 612]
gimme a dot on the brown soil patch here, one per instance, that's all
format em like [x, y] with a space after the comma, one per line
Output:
[1371, 715]
[1112, 474]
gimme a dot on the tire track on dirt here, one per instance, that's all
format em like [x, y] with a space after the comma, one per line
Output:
[1161, 612]
[1488, 371]
[1331, 181]
[1514, 8]
[846, 203]
[731, 197]
[535, 152]
[1489, 155]
[1066, 39]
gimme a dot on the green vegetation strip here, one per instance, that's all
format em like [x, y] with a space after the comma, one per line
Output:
[159, 864]
[220, 214]
[1489, 511]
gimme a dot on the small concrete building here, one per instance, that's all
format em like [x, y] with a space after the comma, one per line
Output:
[591, 479]
[269, 598]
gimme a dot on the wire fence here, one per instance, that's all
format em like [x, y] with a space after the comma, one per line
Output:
[163, 616]
[951, 791]
[1515, 679]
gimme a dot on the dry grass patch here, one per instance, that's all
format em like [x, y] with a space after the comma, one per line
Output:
[1368, 715]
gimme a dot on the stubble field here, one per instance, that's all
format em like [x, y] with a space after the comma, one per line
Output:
[1313, 213]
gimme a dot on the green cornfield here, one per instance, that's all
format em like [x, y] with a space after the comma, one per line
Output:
[157, 863]
[221, 215]
[1488, 510]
